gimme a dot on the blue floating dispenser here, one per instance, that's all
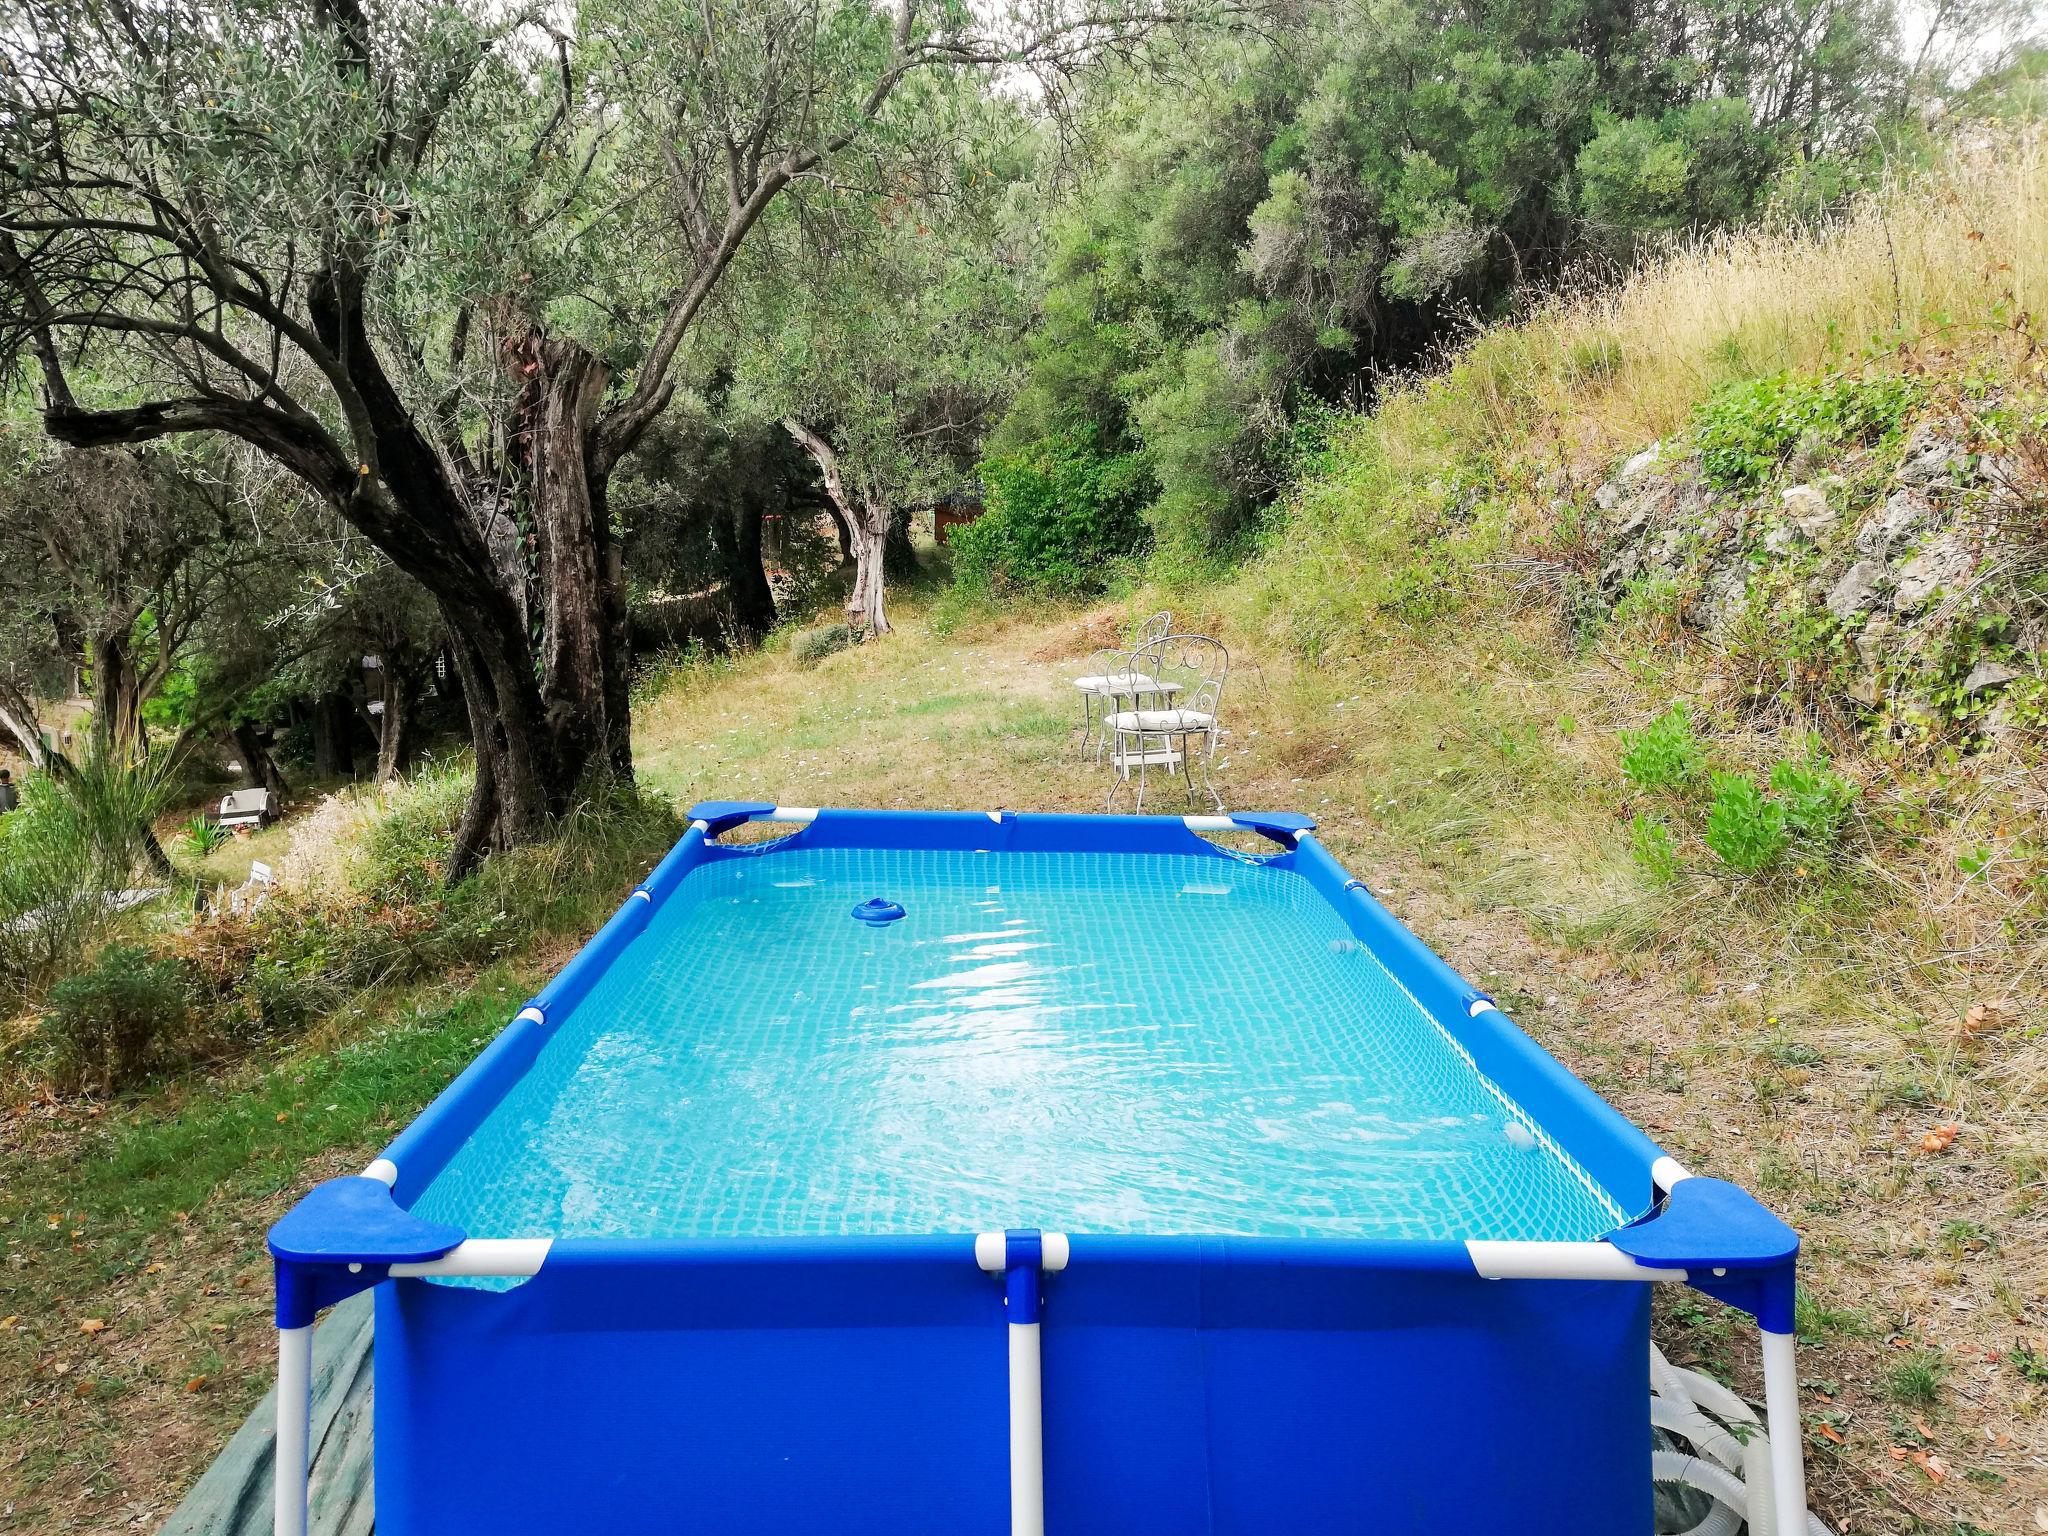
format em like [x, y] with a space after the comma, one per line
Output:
[875, 912]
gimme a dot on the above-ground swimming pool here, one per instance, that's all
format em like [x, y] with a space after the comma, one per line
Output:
[969, 1172]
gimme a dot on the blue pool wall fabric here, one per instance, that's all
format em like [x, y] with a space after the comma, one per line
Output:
[1218, 1385]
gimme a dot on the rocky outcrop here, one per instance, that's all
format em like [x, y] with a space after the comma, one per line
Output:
[1899, 553]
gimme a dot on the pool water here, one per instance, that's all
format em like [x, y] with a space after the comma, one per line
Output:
[1088, 1043]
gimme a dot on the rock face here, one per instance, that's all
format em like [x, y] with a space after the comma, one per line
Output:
[1892, 549]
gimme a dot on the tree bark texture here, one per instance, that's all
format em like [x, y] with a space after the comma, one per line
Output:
[867, 528]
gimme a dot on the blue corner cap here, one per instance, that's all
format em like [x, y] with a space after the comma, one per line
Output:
[354, 1220]
[1709, 1225]
[723, 815]
[1281, 826]
[875, 911]
[343, 1237]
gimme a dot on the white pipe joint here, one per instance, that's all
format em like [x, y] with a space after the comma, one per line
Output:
[991, 1251]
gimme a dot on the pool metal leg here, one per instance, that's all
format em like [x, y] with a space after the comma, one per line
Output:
[1023, 1258]
[291, 1464]
[1787, 1435]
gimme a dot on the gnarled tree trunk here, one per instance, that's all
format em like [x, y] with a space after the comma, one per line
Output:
[578, 572]
[736, 539]
[867, 527]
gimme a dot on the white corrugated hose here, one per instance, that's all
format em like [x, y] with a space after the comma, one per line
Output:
[1730, 1460]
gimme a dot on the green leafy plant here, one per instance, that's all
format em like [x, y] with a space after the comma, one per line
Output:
[203, 837]
[814, 645]
[1665, 754]
[1061, 515]
[113, 1025]
[1653, 847]
[1746, 831]
[1817, 800]
[1747, 430]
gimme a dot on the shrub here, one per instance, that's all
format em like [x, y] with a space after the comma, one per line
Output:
[117, 1023]
[1746, 431]
[203, 837]
[1817, 800]
[1061, 515]
[73, 843]
[1653, 847]
[814, 645]
[1744, 829]
[1665, 754]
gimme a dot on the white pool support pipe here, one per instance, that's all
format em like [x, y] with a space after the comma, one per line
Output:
[1786, 1434]
[292, 1464]
[1023, 1258]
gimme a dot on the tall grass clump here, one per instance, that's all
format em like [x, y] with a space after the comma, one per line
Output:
[1494, 454]
[78, 839]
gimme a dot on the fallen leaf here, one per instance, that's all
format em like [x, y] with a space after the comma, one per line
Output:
[282, 1117]
[1939, 1139]
[92, 1325]
[1926, 1434]
[196, 1384]
[1899, 1453]
[1983, 1018]
[10, 1320]
[1829, 1432]
[1935, 1468]
[152, 1269]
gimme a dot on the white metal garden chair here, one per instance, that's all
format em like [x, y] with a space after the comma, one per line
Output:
[1110, 677]
[1183, 726]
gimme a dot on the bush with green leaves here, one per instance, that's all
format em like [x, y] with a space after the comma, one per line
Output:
[128, 1017]
[1746, 431]
[814, 645]
[1665, 754]
[1653, 847]
[1062, 516]
[1817, 800]
[1745, 829]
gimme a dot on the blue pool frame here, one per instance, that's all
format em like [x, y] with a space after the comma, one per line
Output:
[971, 1383]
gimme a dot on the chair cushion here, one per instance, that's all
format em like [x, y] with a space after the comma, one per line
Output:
[1161, 720]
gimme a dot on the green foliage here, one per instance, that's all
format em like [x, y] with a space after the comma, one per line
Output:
[76, 841]
[1665, 754]
[1704, 164]
[1746, 831]
[814, 645]
[1062, 516]
[1653, 848]
[115, 1024]
[203, 837]
[1746, 431]
[1916, 1380]
[1817, 800]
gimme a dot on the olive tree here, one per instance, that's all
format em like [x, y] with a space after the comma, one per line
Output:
[438, 257]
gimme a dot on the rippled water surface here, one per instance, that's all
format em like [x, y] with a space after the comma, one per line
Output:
[1086, 1043]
